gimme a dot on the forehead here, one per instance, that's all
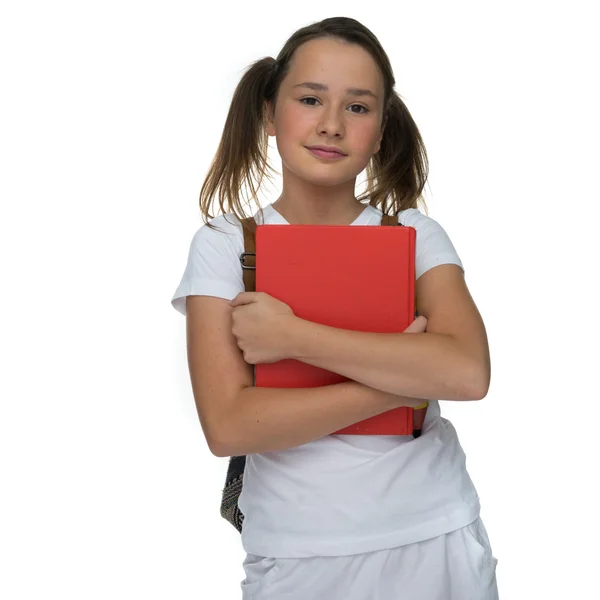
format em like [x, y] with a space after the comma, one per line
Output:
[336, 64]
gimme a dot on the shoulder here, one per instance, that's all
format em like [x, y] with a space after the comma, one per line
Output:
[223, 238]
[413, 217]
[433, 244]
[222, 230]
[220, 244]
[213, 267]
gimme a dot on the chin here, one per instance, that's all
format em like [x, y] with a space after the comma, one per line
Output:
[326, 176]
[325, 180]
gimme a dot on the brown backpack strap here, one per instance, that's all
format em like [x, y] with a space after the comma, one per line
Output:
[390, 220]
[248, 257]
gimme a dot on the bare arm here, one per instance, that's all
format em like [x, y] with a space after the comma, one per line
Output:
[451, 360]
[271, 419]
[237, 418]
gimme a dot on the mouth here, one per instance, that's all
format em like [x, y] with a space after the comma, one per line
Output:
[323, 153]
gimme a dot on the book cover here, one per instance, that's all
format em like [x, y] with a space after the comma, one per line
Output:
[353, 277]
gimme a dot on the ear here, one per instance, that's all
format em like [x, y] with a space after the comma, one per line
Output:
[269, 119]
[378, 141]
[380, 137]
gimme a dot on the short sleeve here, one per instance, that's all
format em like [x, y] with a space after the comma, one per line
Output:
[213, 266]
[433, 245]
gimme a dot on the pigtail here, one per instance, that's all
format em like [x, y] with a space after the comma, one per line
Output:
[397, 174]
[241, 162]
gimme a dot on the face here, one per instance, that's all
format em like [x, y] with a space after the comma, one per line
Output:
[331, 96]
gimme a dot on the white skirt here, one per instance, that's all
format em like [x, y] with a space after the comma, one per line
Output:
[456, 566]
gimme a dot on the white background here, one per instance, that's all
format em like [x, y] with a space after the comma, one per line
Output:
[111, 113]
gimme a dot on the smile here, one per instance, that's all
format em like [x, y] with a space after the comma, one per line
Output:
[326, 154]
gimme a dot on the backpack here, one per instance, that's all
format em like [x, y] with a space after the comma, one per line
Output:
[234, 479]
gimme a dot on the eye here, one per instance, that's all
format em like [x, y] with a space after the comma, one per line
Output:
[308, 98]
[365, 109]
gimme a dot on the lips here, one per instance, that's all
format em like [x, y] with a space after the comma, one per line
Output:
[324, 152]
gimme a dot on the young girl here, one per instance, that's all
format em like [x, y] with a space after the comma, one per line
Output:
[336, 516]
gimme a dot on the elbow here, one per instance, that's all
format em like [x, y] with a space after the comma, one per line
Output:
[217, 438]
[216, 448]
[219, 448]
[478, 382]
[220, 445]
[479, 392]
[221, 438]
[471, 381]
[226, 440]
[214, 443]
[219, 451]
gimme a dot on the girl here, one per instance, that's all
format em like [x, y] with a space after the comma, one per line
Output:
[336, 516]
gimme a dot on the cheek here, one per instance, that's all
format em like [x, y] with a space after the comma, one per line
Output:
[295, 124]
[365, 137]
[293, 120]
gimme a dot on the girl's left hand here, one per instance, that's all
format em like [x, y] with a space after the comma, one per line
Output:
[260, 324]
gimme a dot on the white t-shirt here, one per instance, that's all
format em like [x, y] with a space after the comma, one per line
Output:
[342, 494]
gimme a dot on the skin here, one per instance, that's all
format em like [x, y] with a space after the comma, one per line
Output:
[316, 191]
[449, 360]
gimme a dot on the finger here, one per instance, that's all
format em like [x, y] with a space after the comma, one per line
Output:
[243, 298]
[417, 326]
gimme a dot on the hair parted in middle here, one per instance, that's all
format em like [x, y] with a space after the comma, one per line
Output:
[396, 175]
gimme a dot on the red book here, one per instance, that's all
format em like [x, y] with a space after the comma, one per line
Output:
[353, 277]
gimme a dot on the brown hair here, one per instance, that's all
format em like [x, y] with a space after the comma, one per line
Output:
[396, 175]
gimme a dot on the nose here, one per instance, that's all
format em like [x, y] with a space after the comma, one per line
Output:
[331, 123]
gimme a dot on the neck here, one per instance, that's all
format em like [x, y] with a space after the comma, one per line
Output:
[303, 203]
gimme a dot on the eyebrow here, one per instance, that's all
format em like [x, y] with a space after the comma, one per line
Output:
[323, 88]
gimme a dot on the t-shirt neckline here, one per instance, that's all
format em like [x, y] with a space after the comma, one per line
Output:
[277, 217]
